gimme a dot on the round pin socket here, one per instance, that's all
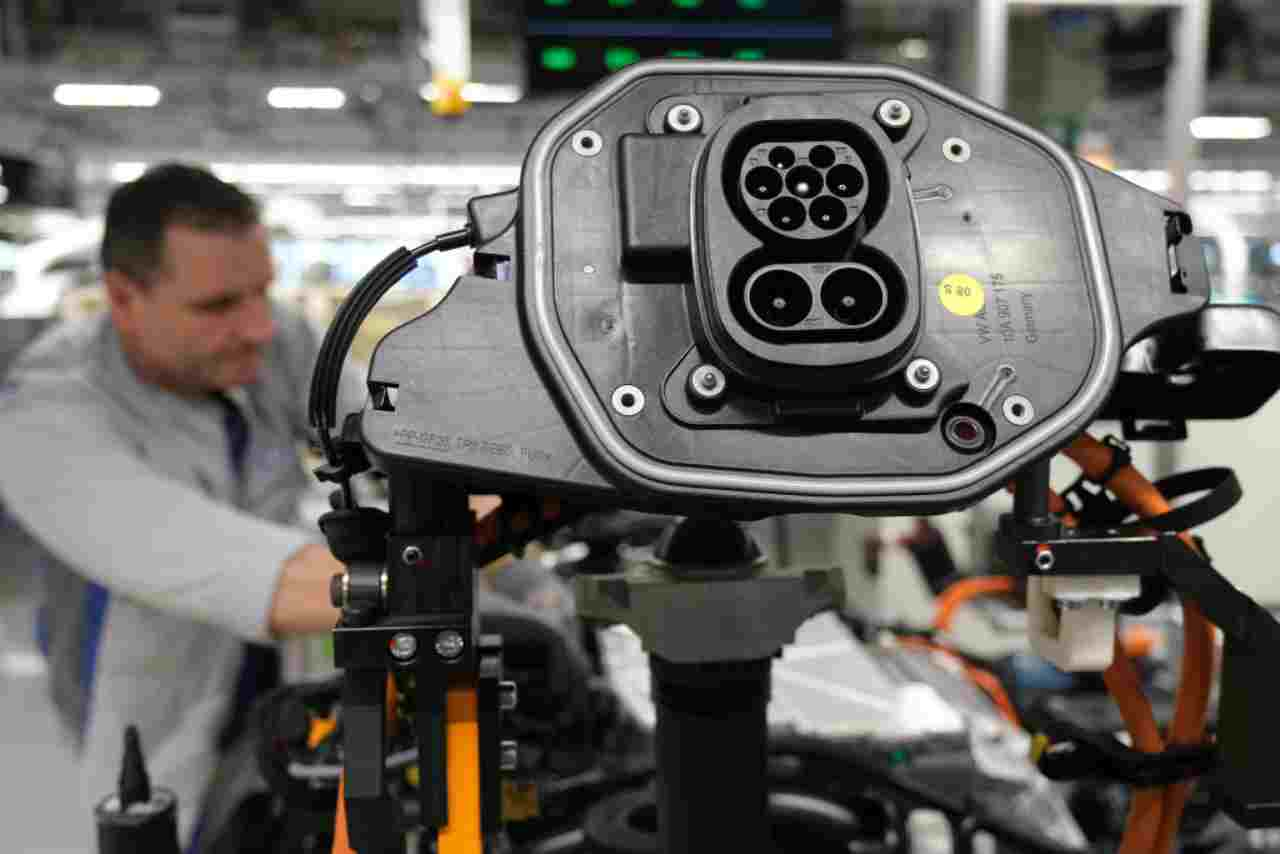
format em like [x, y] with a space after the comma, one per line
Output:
[786, 214]
[763, 182]
[828, 212]
[804, 181]
[780, 298]
[822, 156]
[855, 296]
[845, 181]
[782, 157]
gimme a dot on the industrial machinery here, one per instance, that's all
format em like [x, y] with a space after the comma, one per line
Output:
[730, 290]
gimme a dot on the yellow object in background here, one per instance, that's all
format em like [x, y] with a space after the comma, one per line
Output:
[448, 100]
[520, 801]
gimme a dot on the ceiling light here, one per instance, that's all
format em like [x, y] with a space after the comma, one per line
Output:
[480, 93]
[306, 98]
[126, 171]
[105, 95]
[1231, 127]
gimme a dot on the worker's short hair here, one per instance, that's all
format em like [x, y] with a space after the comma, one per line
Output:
[170, 194]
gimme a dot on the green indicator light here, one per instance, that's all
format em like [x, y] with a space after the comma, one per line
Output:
[559, 58]
[559, 4]
[749, 53]
[752, 5]
[621, 4]
[685, 54]
[897, 757]
[687, 4]
[616, 57]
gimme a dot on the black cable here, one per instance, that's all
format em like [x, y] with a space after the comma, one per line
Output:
[325, 381]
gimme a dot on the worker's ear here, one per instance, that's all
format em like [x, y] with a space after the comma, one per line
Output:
[123, 297]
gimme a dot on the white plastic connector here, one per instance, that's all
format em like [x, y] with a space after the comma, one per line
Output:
[1072, 618]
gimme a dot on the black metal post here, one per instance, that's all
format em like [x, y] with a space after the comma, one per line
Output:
[1031, 496]
[712, 746]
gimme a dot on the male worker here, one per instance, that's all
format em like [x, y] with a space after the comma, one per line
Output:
[152, 453]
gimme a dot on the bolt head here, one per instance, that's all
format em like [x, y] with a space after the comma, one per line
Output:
[894, 114]
[684, 118]
[449, 644]
[404, 646]
[508, 696]
[411, 555]
[706, 383]
[509, 756]
[923, 375]
[1045, 559]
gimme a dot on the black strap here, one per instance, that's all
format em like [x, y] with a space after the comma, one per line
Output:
[1080, 753]
[1222, 492]
[1106, 758]
[1096, 509]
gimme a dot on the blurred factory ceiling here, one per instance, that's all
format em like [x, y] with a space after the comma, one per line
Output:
[1074, 71]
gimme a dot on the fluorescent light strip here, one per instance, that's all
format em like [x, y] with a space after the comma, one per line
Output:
[1231, 127]
[1204, 180]
[306, 98]
[105, 95]
[480, 93]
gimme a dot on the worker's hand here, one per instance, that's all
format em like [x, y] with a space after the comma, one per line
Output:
[301, 603]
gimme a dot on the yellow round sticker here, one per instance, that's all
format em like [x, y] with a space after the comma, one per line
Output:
[962, 294]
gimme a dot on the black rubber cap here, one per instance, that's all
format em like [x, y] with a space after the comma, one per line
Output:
[706, 542]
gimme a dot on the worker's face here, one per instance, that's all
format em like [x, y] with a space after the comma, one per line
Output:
[204, 320]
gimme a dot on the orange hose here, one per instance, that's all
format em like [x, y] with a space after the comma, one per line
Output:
[1191, 705]
[950, 600]
[341, 842]
[1142, 827]
[984, 679]
[1190, 712]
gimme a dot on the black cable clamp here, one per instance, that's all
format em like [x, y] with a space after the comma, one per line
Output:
[1093, 506]
[1090, 755]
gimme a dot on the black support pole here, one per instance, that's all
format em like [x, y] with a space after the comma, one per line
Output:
[712, 745]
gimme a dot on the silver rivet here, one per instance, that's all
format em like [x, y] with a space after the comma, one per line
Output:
[956, 149]
[923, 375]
[412, 555]
[449, 644]
[1045, 559]
[589, 269]
[1018, 410]
[893, 114]
[587, 143]
[707, 383]
[508, 696]
[403, 646]
[684, 118]
[508, 756]
[628, 400]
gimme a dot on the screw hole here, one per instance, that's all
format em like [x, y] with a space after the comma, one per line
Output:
[628, 400]
[957, 149]
[1018, 409]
